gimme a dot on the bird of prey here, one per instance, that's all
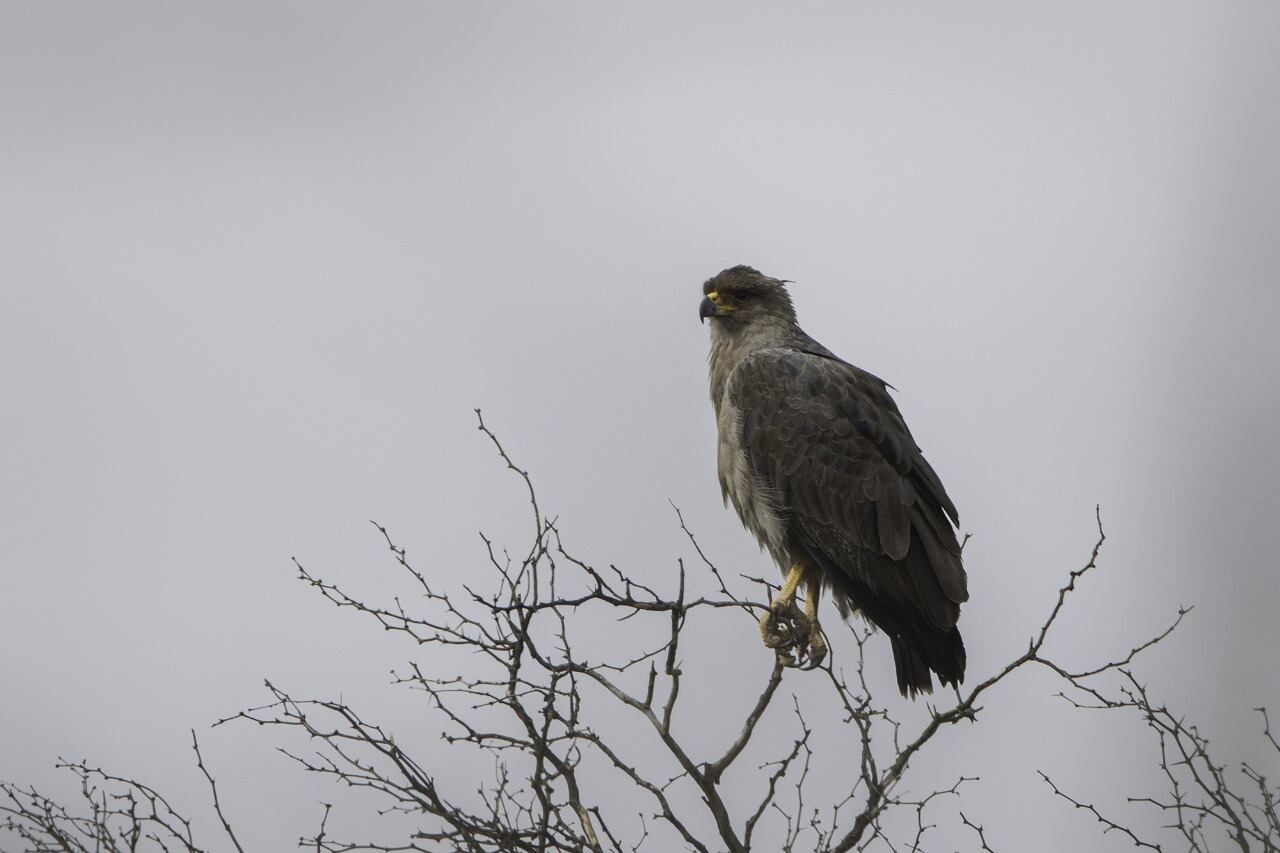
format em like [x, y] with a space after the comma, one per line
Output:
[820, 466]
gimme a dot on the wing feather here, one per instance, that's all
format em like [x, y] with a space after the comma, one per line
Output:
[829, 440]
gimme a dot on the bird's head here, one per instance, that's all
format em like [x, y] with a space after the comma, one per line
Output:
[741, 296]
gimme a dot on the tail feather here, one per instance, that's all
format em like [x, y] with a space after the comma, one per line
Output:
[914, 659]
[920, 647]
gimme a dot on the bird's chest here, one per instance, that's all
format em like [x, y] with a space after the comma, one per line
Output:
[754, 499]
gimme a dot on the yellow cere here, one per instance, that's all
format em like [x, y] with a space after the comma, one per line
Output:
[723, 307]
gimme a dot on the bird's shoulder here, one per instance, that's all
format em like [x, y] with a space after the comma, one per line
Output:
[813, 382]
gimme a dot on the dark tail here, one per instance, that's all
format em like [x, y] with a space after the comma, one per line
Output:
[920, 646]
[915, 656]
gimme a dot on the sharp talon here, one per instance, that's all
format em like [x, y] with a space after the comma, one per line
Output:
[817, 650]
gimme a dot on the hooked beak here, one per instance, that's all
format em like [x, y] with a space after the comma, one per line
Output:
[707, 308]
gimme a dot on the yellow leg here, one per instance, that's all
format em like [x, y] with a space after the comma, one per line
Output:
[817, 645]
[785, 601]
[789, 586]
[811, 602]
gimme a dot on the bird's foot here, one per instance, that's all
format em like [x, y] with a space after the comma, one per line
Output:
[794, 636]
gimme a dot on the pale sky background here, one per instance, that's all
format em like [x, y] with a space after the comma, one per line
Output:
[260, 261]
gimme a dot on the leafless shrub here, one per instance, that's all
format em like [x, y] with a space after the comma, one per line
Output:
[1203, 804]
[121, 815]
[539, 702]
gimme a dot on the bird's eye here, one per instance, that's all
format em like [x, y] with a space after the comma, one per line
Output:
[741, 295]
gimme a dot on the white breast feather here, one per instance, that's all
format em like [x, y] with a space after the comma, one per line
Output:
[754, 500]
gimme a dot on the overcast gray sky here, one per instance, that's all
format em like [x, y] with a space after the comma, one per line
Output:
[261, 260]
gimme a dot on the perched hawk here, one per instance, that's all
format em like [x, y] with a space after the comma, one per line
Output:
[820, 466]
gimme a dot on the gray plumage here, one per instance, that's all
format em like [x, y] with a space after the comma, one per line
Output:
[819, 465]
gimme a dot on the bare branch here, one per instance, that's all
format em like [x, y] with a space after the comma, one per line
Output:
[511, 671]
[213, 791]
